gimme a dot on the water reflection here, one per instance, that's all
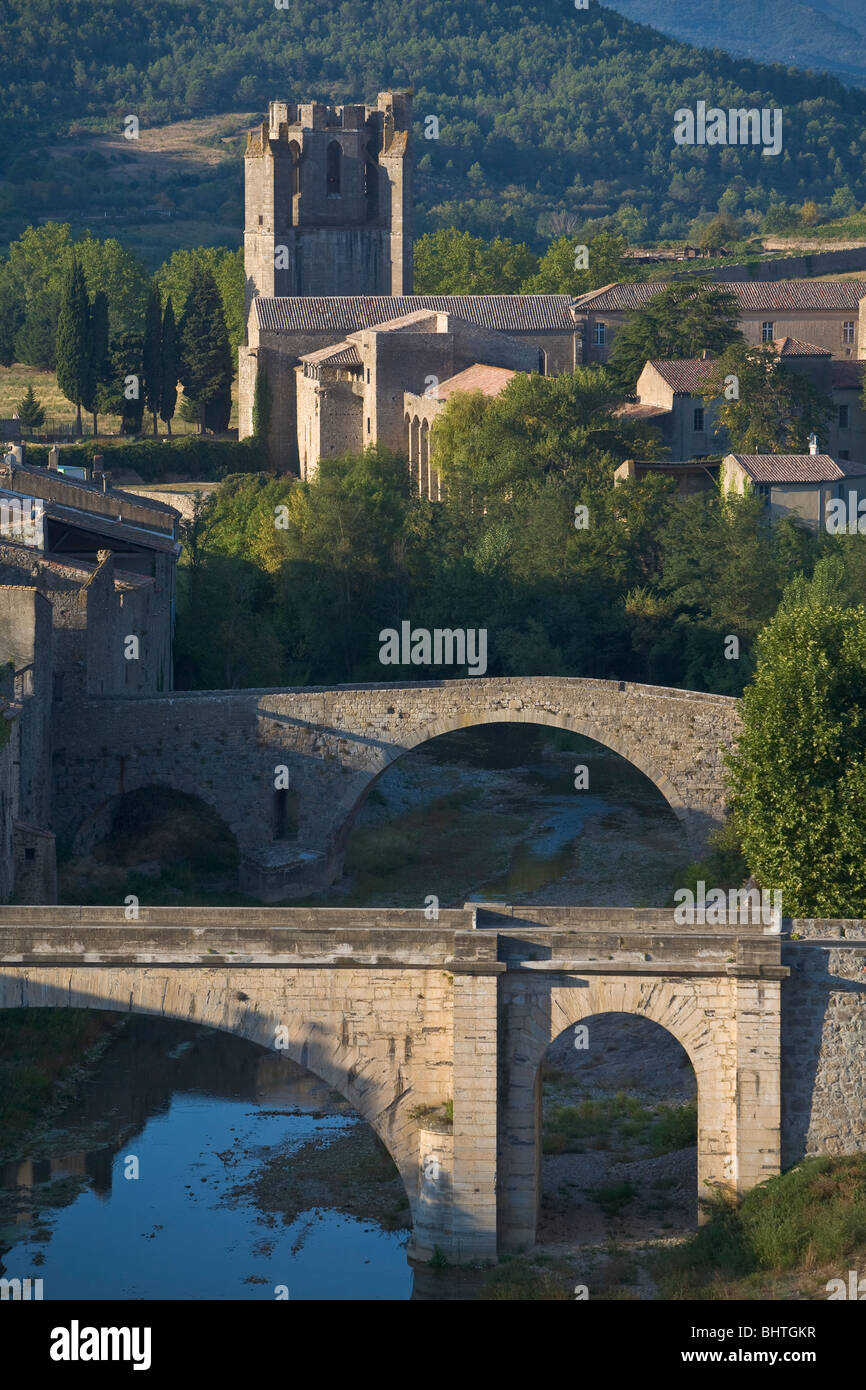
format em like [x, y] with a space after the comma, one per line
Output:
[200, 1111]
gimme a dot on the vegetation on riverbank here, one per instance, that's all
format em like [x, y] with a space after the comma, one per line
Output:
[43, 1055]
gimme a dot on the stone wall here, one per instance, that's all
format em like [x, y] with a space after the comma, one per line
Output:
[824, 1040]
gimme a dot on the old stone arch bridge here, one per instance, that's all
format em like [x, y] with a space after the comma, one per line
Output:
[227, 746]
[401, 1015]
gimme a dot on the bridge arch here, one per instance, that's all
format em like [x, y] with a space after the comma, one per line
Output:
[101, 821]
[374, 1085]
[350, 803]
[704, 1027]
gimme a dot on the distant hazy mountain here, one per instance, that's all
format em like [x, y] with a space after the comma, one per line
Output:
[827, 35]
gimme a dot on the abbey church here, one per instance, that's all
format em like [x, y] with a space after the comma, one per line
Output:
[351, 356]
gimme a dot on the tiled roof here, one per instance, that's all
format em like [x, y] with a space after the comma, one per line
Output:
[509, 313]
[343, 354]
[798, 468]
[636, 410]
[478, 377]
[795, 347]
[754, 294]
[847, 375]
[686, 374]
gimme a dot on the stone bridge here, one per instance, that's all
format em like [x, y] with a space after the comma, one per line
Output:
[401, 1015]
[228, 746]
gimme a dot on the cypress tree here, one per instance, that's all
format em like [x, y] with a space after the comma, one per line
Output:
[170, 365]
[99, 367]
[206, 358]
[152, 354]
[73, 341]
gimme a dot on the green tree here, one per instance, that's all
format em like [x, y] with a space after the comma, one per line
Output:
[206, 360]
[680, 321]
[175, 279]
[798, 776]
[36, 339]
[764, 405]
[570, 266]
[151, 361]
[170, 365]
[73, 341]
[100, 367]
[11, 318]
[122, 395]
[30, 410]
[452, 262]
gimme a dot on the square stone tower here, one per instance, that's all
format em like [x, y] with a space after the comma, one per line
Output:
[329, 200]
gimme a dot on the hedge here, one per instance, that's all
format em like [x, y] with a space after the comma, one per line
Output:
[192, 456]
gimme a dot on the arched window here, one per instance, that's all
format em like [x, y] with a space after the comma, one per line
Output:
[335, 159]
[295, 152]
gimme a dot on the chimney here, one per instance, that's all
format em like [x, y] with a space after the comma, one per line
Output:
[54, 458]
[98, 461]
[813, 443]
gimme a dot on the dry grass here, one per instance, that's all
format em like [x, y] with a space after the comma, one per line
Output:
[59, 412]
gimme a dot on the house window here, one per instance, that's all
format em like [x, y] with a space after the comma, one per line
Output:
[58, 686]
[699, 419]
[763, 491]
[843, 417]
[843, 454]
[335, 158]
[261, 219]
[599, 334]
[848, 331]
[29, 852]
[767, 334]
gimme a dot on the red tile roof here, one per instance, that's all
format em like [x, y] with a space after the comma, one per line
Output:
[478, 377]
[752, 295]
[798, 468]
[795, 347]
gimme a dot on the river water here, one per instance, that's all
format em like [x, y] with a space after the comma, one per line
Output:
[201, 1112]
[200, 1115]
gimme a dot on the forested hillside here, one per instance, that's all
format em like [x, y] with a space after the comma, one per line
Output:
[828, 35]
[549, 116]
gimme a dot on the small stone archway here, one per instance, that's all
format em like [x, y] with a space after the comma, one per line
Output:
[729, 1029]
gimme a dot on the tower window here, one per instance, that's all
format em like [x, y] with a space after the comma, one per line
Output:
[335, 159]
[261, 219]
[843, 417]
